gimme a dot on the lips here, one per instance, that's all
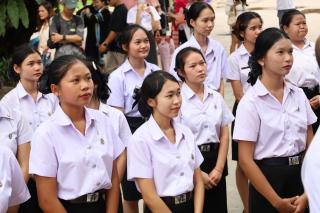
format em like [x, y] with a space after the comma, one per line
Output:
[287, 67]
[85, 96]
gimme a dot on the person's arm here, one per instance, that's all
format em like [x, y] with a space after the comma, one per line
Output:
[309, 136]
[221, 88]
[13, 209]
[259, 181]
[150, 196]
[237, 89]
[47, 195]
[23, 154]
[140, 9]
[112, 195]
[198, 191]
[104, 45]
[122, 164]
[216, 174]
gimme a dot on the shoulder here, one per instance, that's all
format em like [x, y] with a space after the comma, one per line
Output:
[153, 67]
[10, 98]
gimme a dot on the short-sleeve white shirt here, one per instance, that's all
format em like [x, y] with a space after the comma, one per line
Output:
[204, 117]
[13, 190]
[216, 59]
[81, 164]
[239, 68]
[277, 129]
[122, 83]
[310, 173]
[171, 166]
[305, 71]
[35, 112]
[146, 19]
[14, 129]
[285, 4]
[119, 122]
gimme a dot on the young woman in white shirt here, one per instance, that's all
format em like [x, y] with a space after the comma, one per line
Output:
[204, 111]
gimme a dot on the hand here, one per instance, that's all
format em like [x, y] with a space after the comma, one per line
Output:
[301, 203]
[206, 180]
[314, 102]
[286, 205]
[102, 48]
[141, 7]
[215, 176]
[56, 37]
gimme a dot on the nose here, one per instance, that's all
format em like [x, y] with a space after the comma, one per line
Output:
[85, 85]
[210, 23]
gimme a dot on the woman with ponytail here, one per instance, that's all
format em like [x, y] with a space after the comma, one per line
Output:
[273, 128]
[163, 158]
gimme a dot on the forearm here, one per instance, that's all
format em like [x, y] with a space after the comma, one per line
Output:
[111, 36]
[223, 149]
[198, 192]
[237, 89]
[221, 88]
[13, 209]
[25, 173]
[121, 164]
[52, 205]
[156, 204]
[138, 17]
[73, 39]
[112, 195]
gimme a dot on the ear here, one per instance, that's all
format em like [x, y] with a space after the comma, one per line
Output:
[17, 69]
[181, 73]
[261, 62]
[124, 47]
[152, 102]
[242, 34]
[285, 29]
[55, 89]
[192, 23]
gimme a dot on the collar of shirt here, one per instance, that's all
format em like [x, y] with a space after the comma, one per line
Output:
[242, 50]
[189, 93]
[128, 68]
[23, 93]
[157, 133]
[261, 90]
[195, 43]
[104, 108]
[307, 44]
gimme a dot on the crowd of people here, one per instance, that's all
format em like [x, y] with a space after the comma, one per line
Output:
[108, 110]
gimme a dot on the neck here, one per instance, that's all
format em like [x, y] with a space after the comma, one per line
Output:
[66, 15]
[249, 46]
[202, 40]
[272, 82]
[137, 64]
[163, 122]
[75, 113]
[94, 103]
[30, 87]
[196, 88]
[299, 44]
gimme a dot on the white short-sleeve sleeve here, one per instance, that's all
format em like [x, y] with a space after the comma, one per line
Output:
[115, 84]
[247, 122]
[139, 160]
[227, 116]
[125, 132]
[233, 72]
[198, 157]
[118, 146]
[155, 14]
[311, 117]
[43, 160]
[24, 131]
[224, 64]
[131, 16]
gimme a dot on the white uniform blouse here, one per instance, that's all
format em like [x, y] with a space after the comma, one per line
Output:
[146, 19]
[278, 129]
[14, 129]
[81, 164]
[119, 122]
[13, 190]
[171, 166]
[216, 59]
[305, 71]
[35, 112]
[204, 117]
[122, 83]
[239, 68]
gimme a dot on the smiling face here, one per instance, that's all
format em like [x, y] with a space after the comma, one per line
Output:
[297, 29]
[204, 23]
[139, 45]
[30, 69]
[75, 88]
[278, 60]
[167, 103]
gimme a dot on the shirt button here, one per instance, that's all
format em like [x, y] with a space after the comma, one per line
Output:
[101, 141]
[94, 166]
[205, 126]
[178, 157]
[0, 184]
[98, 184]
[89, 147]
[181, 174]
[30, 123]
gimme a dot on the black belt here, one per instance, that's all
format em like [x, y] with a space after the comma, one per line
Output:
[89, 198]
[289, 161]
[179, 199]
[208, 147]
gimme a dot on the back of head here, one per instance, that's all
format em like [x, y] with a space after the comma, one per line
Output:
[264, 43]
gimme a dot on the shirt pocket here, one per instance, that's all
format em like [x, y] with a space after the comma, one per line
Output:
[298, 118]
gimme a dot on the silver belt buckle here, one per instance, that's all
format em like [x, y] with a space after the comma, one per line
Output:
[180, 199]
[92, 197]
[205, 148]
[295, 160]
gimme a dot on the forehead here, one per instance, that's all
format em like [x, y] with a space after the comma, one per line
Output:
[254, 21]
[297, 17]
[77, 69]
[192, 57]
[282, 43]
[169, 86]
[32, 57]
[139, 34]
[206, 13]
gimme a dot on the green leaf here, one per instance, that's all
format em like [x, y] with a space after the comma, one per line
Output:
[13, 13]
[2, 19]
[23, 13]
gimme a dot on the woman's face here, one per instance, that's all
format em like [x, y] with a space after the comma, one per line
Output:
[98, 4]
[168, 102]
[139, 45]
[195, 69]
[75, 88]
[30, 69]
[297, 29]
[252, 31]
[278, 60]
[43, 13]
[204, 24]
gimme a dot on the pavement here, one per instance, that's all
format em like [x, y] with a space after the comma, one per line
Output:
[267, 10]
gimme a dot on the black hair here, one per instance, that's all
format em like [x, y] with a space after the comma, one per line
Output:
[264, 42]
[48, 6]
[318, 50]
[56, 71]
[151, 87]
[242, 23]
[181, 59]
[288, 16]
[195, 10]
[20, 53]
[127, 34]
[100, 80]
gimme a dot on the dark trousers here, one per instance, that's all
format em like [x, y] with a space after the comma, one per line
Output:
[179, 208]
[97, 207]
[153, 55]
[31, 205]
[215, 199]
[284, 179]
[310, 93]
